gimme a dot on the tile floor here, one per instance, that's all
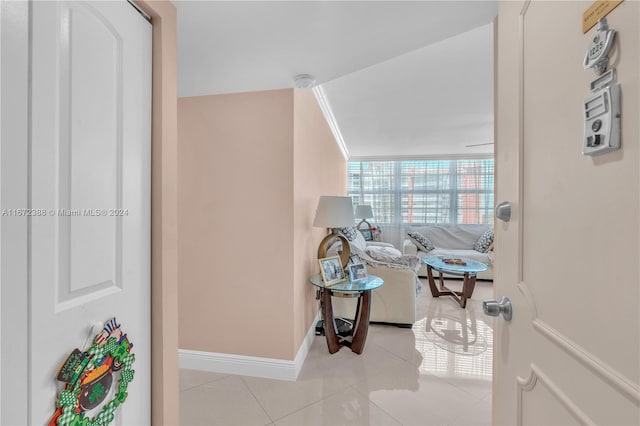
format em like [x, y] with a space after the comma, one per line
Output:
[437, 373]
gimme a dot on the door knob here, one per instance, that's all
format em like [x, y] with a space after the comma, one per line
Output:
[494, 308]
[503, 211]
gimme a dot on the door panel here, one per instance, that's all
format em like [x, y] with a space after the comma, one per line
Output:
[91, 150]
[568, 258]
[90, 245]
[89, 169]
[541, 403]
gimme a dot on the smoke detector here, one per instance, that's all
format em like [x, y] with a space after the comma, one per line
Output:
[304, 81]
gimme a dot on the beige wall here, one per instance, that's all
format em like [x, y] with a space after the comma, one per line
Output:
[164, 262]
[249, 181]
[235, 210]
[318, 169]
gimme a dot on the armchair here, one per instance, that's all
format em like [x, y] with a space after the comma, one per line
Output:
[395, 301]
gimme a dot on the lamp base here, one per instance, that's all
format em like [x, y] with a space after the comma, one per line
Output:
[325, 244]
[363, 222]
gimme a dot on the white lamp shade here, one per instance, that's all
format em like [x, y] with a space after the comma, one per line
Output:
[364, 211]
[334, 212]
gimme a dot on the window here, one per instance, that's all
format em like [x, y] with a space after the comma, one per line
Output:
[424, 191]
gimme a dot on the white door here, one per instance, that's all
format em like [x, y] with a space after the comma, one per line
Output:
[89, 168]
[569, 256]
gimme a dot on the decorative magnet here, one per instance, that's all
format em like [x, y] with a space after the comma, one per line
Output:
[89, 377]
[72, 366]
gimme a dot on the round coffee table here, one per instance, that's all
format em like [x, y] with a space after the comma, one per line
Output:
[360, 289]
[466, 268]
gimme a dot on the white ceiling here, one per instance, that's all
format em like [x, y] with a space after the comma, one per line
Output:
[429, 102]
[391, 95]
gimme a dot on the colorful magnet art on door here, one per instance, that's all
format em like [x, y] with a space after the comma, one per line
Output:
[90, 376]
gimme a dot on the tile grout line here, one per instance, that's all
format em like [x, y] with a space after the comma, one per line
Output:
[461, 415]
[256, 398]
[298, 410]
[330, 395]
[327, 396]
[375, 405]
[204, 384]
[393, 354]
[467, 391]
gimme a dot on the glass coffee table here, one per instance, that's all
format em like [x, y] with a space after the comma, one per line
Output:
[361, 289]
[462, 266]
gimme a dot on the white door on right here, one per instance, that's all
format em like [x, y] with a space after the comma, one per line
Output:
[569, 257]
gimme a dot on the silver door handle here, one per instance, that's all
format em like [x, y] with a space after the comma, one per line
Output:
[494, 308]
[503, 211]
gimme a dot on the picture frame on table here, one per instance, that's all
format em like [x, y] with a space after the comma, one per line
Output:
[332, 270]
[367, 234]
[354, 258]
[357, 271]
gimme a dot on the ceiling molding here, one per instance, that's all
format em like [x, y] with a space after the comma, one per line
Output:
[321, 97]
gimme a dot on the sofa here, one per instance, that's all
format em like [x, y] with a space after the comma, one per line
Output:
[395, 301]
[455, 241]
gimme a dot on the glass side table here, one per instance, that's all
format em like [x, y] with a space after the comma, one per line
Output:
[361, 289]
[468, 270]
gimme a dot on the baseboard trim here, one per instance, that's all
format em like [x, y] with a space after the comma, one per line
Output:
[269, 368]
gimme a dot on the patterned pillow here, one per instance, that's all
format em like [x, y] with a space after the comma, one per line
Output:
[349, 232]
[484, 242]
[421, 241]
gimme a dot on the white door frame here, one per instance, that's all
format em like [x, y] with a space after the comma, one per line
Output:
[14, 291]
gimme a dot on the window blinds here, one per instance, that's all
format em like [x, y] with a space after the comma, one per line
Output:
[424, 191]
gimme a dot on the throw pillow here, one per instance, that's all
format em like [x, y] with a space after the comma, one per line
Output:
[358, 242]
[484, 242]
[384, 254]
[421, 241]
[349, 232]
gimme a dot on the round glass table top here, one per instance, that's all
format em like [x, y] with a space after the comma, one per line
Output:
[371, 282]
[471, 266]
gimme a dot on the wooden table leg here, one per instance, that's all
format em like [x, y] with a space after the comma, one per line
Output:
[468, 286]
[432, 284]
[361, 322]
[329, 323]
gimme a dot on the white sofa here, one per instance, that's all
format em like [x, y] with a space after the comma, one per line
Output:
[452, 240]
[395, 301]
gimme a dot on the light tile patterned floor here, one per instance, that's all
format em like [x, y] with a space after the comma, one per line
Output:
[437, 373]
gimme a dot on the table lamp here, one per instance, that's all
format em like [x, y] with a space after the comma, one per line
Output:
[364, 212]
[334, 212]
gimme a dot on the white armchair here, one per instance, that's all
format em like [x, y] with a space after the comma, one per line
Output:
[395, 301]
